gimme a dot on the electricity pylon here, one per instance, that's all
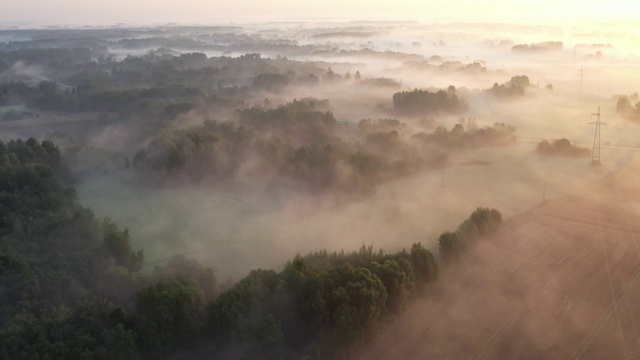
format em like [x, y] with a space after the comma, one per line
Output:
[595, 152]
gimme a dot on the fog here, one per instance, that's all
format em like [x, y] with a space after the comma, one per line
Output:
[226, 230]
[563, 287]
[241, 146]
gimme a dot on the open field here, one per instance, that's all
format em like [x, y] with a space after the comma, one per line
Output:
[559, 282]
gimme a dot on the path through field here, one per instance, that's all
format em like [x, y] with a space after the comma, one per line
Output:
[561, 281]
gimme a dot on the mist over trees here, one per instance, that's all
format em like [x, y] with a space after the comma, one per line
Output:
[467, 135]
[286, 132]
[561, 147]
[423, 102]
[517, 86]
[297, 146]
[76, 284]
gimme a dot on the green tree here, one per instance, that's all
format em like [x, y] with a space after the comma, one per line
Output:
[424, 264]
[169, 314]
[450, 246]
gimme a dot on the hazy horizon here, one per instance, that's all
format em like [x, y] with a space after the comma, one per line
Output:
[75, 12]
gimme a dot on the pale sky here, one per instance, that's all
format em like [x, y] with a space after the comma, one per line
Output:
[225, 11]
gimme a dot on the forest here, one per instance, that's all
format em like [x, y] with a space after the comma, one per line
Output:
[291, 190]
[74, 287]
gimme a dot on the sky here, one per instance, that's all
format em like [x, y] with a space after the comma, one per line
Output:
[104, 12]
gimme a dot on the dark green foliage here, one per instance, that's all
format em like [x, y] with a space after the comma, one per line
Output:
[231, 311]
[354, 307]
[450, 245]
[485, 221]
[214, 151]
[55, 263]
[72, 286]
[161, 84]
[398, 281]
[425, 267]
[423, 102]
[168, 314]
[68, 279]
[84, 332]
[265, 339]
[118, 246]
[481, 223]
[326, 304]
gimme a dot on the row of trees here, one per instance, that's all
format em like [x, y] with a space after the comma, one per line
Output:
[424, 102]
[472, 136]
[49, 96]
[561, 147]
[482, 222]
[326, 305]
[517, 86]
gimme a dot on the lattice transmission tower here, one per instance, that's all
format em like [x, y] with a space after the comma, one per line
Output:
[595, 152]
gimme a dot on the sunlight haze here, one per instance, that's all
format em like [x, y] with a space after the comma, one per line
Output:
[321, 180]
[203, 11]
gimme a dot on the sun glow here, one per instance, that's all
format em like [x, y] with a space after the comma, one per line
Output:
[201, 11]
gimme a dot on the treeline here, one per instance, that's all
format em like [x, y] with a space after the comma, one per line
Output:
[323, 305]
[294, 145]
[481, 223]
[327, 305]
[166, 100]
[51, 60]
[517, 86]
[424, 102]
[73, 286]
[467, 135]
[300, 146]
[153, 85]
[561, 147]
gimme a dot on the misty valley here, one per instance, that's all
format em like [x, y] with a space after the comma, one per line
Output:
[319, 190]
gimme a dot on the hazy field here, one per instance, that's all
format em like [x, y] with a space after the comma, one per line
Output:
[559, 282]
